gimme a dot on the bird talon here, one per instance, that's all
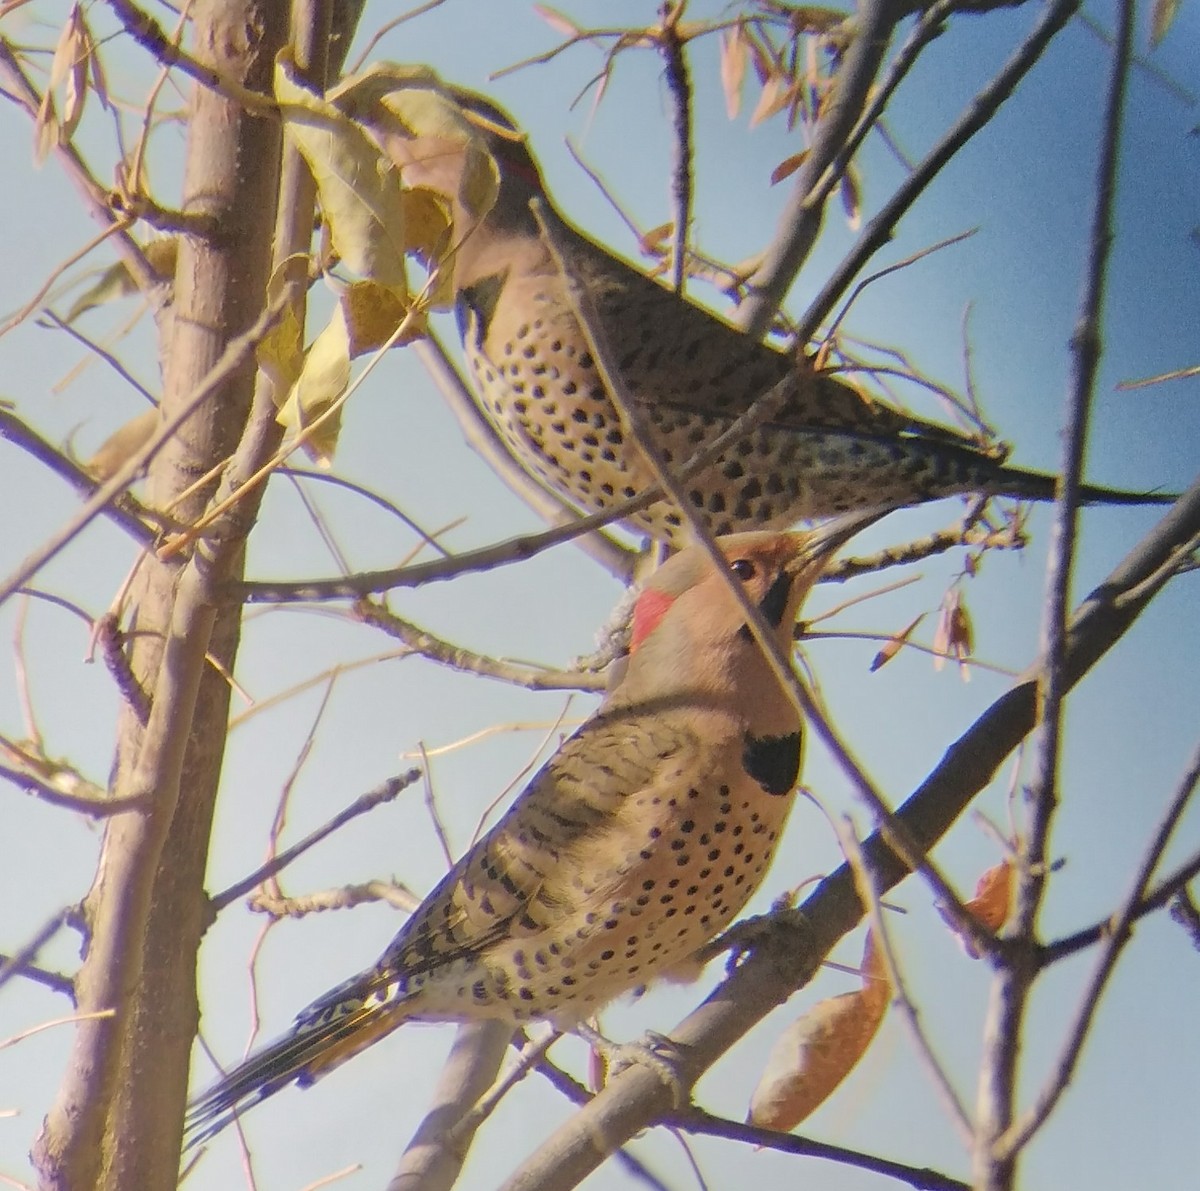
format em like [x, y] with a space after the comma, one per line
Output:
[751, 933]
[653, 1050]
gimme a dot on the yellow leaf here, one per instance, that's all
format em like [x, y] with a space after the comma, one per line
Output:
[322, 380]
[814, 1054]
[280, 354]
[115, 281]
[358, 192]
[372, 313]
[433, 117]
[46, 131]
[428, 219]
[162, 253]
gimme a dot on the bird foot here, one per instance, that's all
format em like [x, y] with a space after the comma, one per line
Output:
[751, 933]
[655, 1051]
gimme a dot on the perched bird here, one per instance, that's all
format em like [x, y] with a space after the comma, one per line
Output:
[637, 842]
[828, 449]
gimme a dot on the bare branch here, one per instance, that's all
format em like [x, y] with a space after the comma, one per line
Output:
[125, 510]
[20, 963]
[679, 86]
[94, 801]
[828, 155]
[345, 897]
[433, 1158]
[385, 792]
[696, 1120]
[983, 107]
[458, 658]
[482, 438]
[995, 1158]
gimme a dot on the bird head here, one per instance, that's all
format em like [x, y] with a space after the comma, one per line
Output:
[689, 638]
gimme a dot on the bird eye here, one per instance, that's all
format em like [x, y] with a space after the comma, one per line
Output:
[743, 568]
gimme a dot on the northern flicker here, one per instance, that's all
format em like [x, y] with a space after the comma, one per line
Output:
[637, 842]
[827, 450]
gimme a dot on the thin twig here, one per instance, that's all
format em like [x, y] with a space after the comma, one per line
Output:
[457, 657]
[147, 32]
[1185, 912]
[18, 87]
[1118, 936]
[516, 549]
[994, 1162]
[982, 108]
[868, 894]
[102, 353]
[16, 964]
[237, 351]
[679, 86]
[360, 806]
[94, 801]
[482, 438]
[828, 157]
[125, 510]
[696, 1120]
[345, 897]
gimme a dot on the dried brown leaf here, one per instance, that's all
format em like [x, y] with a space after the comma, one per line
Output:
[558, 21]
[848, 188]
[777, 93]
[1162, 17]
[733, 69]
[954, 636]
[992, 902]
[788, 166]
[814, 1054]
[657, 240]
[122, 445]
[894, 645]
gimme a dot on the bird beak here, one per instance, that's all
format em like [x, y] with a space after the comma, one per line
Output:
[827, 538]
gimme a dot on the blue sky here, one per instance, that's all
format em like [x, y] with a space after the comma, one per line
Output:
[1026, 184]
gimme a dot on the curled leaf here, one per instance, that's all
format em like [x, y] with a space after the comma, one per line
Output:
[120, 446]
[814, 1054]
[954, 636]
[359, 194]
[116, 282]
[367, 315]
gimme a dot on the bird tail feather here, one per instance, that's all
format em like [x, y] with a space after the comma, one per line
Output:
[312, 1049]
